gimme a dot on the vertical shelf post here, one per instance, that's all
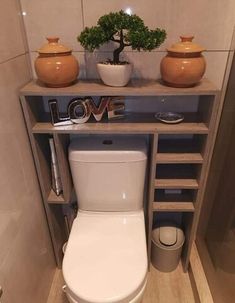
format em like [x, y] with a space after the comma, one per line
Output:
[153, 151]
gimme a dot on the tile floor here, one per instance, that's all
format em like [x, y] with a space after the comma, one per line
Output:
[161, 288]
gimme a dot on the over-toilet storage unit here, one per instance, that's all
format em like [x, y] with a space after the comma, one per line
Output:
[179, 155]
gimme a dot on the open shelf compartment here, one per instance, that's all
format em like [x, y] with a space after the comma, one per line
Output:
[43, 156]
[133, 122]
[174, 176]
[181, 148]
[182, 219]
[174, 200]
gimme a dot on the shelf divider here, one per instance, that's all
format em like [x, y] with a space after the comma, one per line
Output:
[176, 183]
[151, 192]
[173, 206]
[179, 158]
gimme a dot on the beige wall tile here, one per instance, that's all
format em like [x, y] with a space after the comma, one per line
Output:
[216, 64]
[52, 18]
[146, 64]
[210, 21]
[12, 42]
[91, 59]
[26, 259]
[80, 56]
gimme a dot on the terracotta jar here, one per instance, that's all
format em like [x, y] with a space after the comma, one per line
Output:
[55, 65]
[184, 65]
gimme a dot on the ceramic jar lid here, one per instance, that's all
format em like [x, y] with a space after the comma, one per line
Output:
[186, 46]
[54, 47]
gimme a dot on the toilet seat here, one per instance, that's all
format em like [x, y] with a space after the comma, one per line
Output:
[105, 259]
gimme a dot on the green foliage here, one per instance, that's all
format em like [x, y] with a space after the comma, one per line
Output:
[92, 38]
[127, 30]
[114, 22]
[146, 39]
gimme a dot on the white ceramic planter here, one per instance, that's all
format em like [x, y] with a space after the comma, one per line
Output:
[115, 75]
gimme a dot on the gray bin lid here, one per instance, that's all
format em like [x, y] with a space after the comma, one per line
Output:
[168, 236]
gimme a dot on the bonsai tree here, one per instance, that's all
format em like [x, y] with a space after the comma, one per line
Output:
[123, 29]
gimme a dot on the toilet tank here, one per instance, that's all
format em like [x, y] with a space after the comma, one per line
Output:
[108, 173]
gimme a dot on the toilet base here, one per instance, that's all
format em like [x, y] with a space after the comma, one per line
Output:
[137, 299]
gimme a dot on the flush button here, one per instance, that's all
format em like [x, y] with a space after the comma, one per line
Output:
[107, 142]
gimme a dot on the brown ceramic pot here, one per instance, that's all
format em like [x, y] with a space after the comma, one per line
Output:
[184, 64]
[55, 65]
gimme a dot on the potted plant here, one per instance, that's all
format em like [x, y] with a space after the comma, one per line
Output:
[124, 30]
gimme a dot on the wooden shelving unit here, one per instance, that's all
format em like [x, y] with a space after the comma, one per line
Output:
[179, 155]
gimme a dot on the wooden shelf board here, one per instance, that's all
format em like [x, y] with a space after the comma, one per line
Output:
[176, 183]
[179, 158]
[173, 206]
[144, 128]
[54, 199]
[136, 87]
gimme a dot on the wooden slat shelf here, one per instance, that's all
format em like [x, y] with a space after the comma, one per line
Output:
[173, 206]
[136, 87]
[140, 128]
[179, 158]
[176, 183]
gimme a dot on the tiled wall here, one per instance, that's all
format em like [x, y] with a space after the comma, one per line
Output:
[26, 260]
[210, 21]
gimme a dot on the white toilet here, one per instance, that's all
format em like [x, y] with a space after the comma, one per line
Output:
[106, 260]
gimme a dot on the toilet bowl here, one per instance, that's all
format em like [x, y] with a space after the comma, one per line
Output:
[105, 259]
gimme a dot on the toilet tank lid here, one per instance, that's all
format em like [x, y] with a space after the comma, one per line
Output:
[108, 149]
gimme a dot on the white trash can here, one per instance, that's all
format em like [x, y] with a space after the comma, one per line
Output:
[167, 242]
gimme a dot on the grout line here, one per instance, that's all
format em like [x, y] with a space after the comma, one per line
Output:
[83, 19]
[26, 40]
[153, 51]
[15, 57]
[23, 28]
[83, 26]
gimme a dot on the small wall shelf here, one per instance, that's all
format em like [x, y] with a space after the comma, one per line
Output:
[176, 183]
[179, 158]
[134, 88]
[173, 206]
[121, 127]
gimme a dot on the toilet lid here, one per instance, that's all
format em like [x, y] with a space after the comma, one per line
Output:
[105, 259]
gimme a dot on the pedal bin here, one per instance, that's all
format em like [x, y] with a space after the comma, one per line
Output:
[167, 242]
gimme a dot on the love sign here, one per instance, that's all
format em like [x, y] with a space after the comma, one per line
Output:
[79, 110]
